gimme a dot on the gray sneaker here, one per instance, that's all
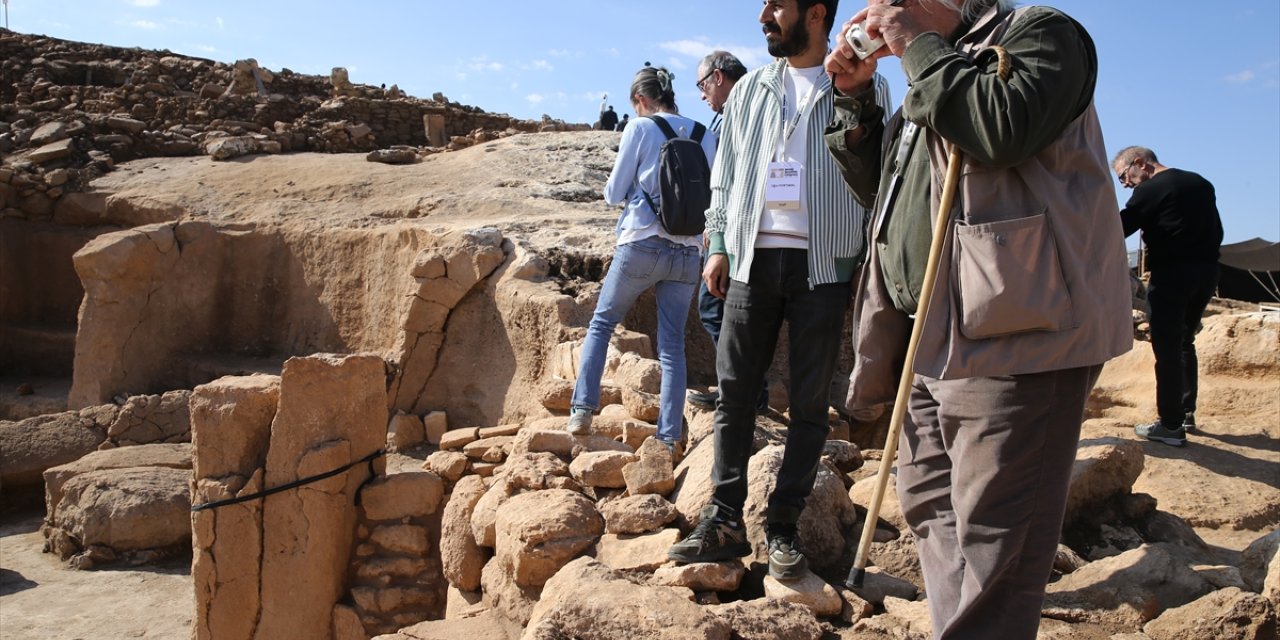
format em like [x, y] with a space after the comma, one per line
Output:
[579, 421]
[715, 538]
[1157, 432]
[1189, 423]
[786, 561]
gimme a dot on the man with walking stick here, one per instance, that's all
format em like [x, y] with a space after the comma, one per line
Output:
[1001, 308]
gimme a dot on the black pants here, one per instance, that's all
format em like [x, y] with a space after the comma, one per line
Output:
[1176, 298]
[778, 290]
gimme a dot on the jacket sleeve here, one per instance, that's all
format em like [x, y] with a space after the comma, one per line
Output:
[622, 180]
[861, 164]
[722, 173]
[995, 122]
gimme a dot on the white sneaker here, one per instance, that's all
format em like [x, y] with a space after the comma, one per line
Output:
[579, 421]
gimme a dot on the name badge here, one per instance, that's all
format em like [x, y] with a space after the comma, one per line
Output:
[783, 187]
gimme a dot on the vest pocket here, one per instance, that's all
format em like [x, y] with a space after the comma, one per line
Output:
[1008, 278]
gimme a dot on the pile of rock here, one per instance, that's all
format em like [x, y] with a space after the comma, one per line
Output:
[70, 111]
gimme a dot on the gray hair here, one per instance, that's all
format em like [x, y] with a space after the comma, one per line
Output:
[725, 63]
[1128, 154]
[971, 9]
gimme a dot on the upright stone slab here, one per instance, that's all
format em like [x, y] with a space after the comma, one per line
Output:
[333, 410]
[230, 430]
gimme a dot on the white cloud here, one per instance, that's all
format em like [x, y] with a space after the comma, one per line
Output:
[676, 64]
[515, 86]
[206, 48]
[219, 23]
[462, 76]
[751, 55]
[1243, 77]
[593, 96]
[144, 3]
[145, 24]
[535, 99]
[481, 63]
[561, 53]
[182, 23]
[613, 52]
[538, 65]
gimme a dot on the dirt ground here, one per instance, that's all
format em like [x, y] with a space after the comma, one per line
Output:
[42, 599]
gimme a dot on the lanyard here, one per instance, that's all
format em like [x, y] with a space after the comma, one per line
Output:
[789, 129]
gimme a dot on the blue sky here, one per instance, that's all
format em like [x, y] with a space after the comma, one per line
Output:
[1197, 82]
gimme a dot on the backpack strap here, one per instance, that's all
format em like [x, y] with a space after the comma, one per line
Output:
[698, 132]
[664, 126]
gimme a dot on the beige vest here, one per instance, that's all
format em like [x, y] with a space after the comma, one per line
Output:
[1033, 275]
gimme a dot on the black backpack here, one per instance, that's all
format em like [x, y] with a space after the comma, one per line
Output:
[684, 181]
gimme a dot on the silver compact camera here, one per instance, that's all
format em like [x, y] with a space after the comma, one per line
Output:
[862, 43]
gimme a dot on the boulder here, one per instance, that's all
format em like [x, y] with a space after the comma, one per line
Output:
[702, 576]
[405, 431]
[484, 517]
[168, 456]
[29, 447]
[449, 465]
[229, 147]
[153, 418]
[1260, 564]
[434, 425]
[124, 510]
[810, 591]
[504, 594]
[601, 468]
[1227, 614]
[413, 494]
[588, 601]
[537, 471]
[641, 405]
[827, 515]
[637, 514]
[769, 619]
[52, 151]
[1104, 468]
[48, 132]
[484, 626]
[539, 532]
[652, 473]
[1124, 592]
[643, 552]
[638, 374]
[461, 557]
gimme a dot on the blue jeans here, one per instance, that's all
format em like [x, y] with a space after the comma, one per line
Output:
[672, 270]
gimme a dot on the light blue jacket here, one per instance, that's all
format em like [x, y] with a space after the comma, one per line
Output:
[637, 168]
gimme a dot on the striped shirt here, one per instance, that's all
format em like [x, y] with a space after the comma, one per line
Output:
[752, 125]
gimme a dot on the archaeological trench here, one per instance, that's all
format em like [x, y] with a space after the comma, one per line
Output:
[219, 280]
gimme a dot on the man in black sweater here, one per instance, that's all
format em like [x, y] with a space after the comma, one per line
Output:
[1177, 212]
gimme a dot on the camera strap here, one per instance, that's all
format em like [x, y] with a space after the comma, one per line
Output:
[910, 131]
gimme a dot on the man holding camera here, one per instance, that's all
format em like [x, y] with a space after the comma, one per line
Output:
[784, 228]
[1177, 212]
[1031, 295]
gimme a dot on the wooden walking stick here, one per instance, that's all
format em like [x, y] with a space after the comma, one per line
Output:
[859, 570]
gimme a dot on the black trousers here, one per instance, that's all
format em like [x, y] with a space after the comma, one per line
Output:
[1176, 298]
[778, 290]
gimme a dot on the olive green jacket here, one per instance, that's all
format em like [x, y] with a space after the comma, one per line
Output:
[1033, 275]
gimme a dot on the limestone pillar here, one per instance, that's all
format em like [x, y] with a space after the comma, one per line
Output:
[274, 568]
[434, 122]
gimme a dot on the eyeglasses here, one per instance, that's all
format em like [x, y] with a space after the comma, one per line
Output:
[1124, 175]
[702, 84]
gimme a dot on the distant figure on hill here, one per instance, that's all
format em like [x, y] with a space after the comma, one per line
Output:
[622, 124]
[1177, 212]
[608, 119]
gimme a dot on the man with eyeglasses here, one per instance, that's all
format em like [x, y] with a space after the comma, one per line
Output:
[718, 72]
[1177, 212]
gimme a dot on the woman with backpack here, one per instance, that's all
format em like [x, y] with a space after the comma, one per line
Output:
[647, 254]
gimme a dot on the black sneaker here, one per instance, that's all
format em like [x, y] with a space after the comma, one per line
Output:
[702, 399]
[1189, 423]
[786, 561]
[1157, 432]
[715, 538]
